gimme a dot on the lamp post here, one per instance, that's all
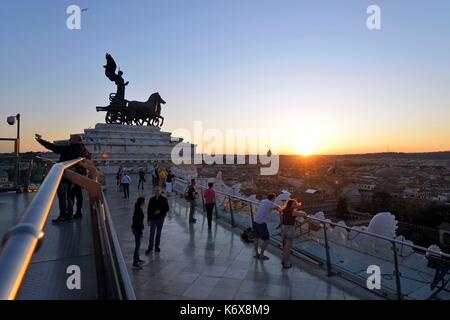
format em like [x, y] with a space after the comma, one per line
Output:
[12, 121]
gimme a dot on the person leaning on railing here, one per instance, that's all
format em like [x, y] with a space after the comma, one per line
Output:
[289, 213]
[74, 150]
[76, 192]
[265, 208]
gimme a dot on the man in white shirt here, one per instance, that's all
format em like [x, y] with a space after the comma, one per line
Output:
[126, 180]
[265, 208]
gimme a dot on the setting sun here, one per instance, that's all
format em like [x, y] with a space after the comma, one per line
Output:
[304, 146]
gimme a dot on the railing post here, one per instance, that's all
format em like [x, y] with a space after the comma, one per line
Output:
[233, 223]
[30, 168]
[215, 209]
[397, 273]
[327, 250]
[17, 172]
[44, 173]
[251, 212]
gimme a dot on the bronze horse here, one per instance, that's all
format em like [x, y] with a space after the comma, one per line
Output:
[148, 112]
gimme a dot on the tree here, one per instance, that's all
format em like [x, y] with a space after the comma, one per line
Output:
[342, 208]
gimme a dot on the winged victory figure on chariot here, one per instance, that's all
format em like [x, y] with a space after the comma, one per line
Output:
[122, 111]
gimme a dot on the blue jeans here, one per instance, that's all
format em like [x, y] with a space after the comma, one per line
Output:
[137, 246]
[155, 225]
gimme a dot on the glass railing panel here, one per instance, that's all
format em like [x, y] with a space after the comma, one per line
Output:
[8, 173]
[39, 170]
[352, 253]
[241, 214]
[223, 207]
[310, 240]
[24, 172]
[418, 271]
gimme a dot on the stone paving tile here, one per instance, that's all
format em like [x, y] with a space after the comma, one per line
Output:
[198, 292]
[197, 264]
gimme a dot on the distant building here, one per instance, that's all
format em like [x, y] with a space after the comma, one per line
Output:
[444, 235]
[366, 189]
[419, 194]
[4, 180]
[315, 200]
[352, 194]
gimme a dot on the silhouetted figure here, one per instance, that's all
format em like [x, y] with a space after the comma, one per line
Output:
[289, 213]
[260, 224]
[210, 201]
[192, 199]
[110, 72]
[156, 176]
[158, 206]
[119, 175]
[76, 192]
[141, 179]
[74, 150]
[126, 180]
[122, 111]
[138, 226]
[169, 183]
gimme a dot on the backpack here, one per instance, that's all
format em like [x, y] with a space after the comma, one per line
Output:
[248, 235]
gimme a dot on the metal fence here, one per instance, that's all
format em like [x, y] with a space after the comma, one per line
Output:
[408, 271]
[21, 241]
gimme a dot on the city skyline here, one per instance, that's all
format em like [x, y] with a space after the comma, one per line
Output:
[314, 74]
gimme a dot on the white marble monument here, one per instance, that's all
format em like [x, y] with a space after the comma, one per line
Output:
[114, 145]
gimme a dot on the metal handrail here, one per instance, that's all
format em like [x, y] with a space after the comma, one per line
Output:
[21, 241]
[123, 271]
[371, 234]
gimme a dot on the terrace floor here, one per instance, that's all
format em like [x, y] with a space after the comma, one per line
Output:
[197, 264]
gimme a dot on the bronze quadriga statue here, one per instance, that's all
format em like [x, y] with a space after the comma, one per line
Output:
[122, 111]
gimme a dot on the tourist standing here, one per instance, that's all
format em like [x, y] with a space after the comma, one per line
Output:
[119, 175]
[141, 179]
[126, 180]
[260, 224]
[289, 213]
[137, 227]
[74, 150]
[210, 201]
[162, 177]
[169, 183]
[192, 199]
[158, 206]
[156, 176]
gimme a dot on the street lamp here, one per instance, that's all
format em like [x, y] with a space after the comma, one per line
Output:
[12, 121]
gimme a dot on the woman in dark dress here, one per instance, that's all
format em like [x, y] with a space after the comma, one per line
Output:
[137, 226]
[288, 218]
